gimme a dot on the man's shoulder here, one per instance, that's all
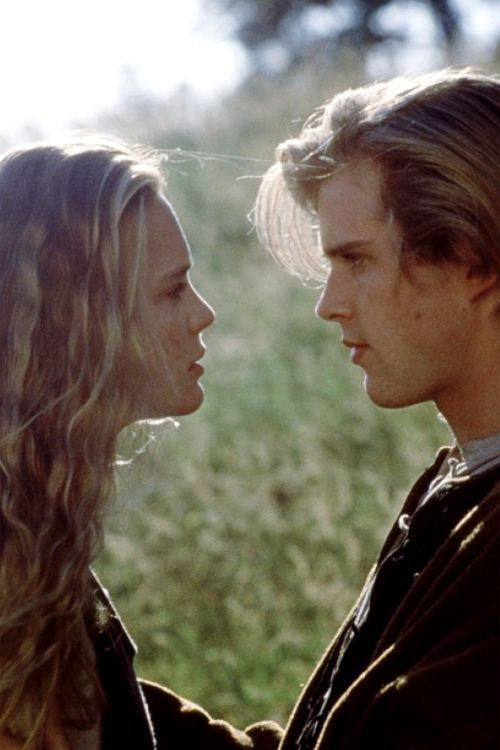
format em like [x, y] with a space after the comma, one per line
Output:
[438, 479]
[484, 490]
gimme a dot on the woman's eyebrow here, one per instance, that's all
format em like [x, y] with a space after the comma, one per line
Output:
[175, 274]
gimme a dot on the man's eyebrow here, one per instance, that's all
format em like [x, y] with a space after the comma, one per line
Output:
[345, 247]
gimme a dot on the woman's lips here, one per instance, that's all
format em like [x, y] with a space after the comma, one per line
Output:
[196, 369]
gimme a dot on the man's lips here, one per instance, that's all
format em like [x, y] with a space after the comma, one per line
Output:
[358, 348]
[352, 344]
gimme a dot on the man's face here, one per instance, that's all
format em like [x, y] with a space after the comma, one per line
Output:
[412, 332]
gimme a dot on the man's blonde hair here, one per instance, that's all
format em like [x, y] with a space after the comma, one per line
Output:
[436, 140]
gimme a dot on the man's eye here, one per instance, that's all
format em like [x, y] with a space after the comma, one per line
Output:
[353, 259]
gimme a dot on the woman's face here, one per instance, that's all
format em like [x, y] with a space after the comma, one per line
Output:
[176, 316]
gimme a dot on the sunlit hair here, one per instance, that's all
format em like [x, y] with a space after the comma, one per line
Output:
[68, 299]
[436, 139]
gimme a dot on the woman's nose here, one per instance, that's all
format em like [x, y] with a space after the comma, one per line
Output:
[202, 315]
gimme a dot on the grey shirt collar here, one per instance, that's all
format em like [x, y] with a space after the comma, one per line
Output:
[474, 458]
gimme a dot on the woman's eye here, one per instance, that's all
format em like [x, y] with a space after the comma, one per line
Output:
[176, 291]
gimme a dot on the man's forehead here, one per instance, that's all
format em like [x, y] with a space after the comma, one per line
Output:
[350, 207]
[362, 180]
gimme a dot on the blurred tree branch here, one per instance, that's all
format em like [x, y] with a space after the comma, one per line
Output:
[285, 25]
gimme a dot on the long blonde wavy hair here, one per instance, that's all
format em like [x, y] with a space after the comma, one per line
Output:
[68, 325]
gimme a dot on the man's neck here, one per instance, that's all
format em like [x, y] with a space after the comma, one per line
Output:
[473, 412]
[472, 405]
[476, 419]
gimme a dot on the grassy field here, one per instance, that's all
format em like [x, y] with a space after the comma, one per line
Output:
[239, 540]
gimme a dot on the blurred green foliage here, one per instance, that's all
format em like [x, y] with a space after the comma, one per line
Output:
[299, 28]
[238, 541]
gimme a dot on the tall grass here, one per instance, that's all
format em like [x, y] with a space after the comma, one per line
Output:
[239, 540]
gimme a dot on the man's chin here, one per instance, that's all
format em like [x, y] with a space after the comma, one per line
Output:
[387, 398]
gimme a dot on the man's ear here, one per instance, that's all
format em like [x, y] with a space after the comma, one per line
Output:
[479, 281]
[482, 283]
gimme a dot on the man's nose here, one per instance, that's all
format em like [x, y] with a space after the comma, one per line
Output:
[332, 304]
